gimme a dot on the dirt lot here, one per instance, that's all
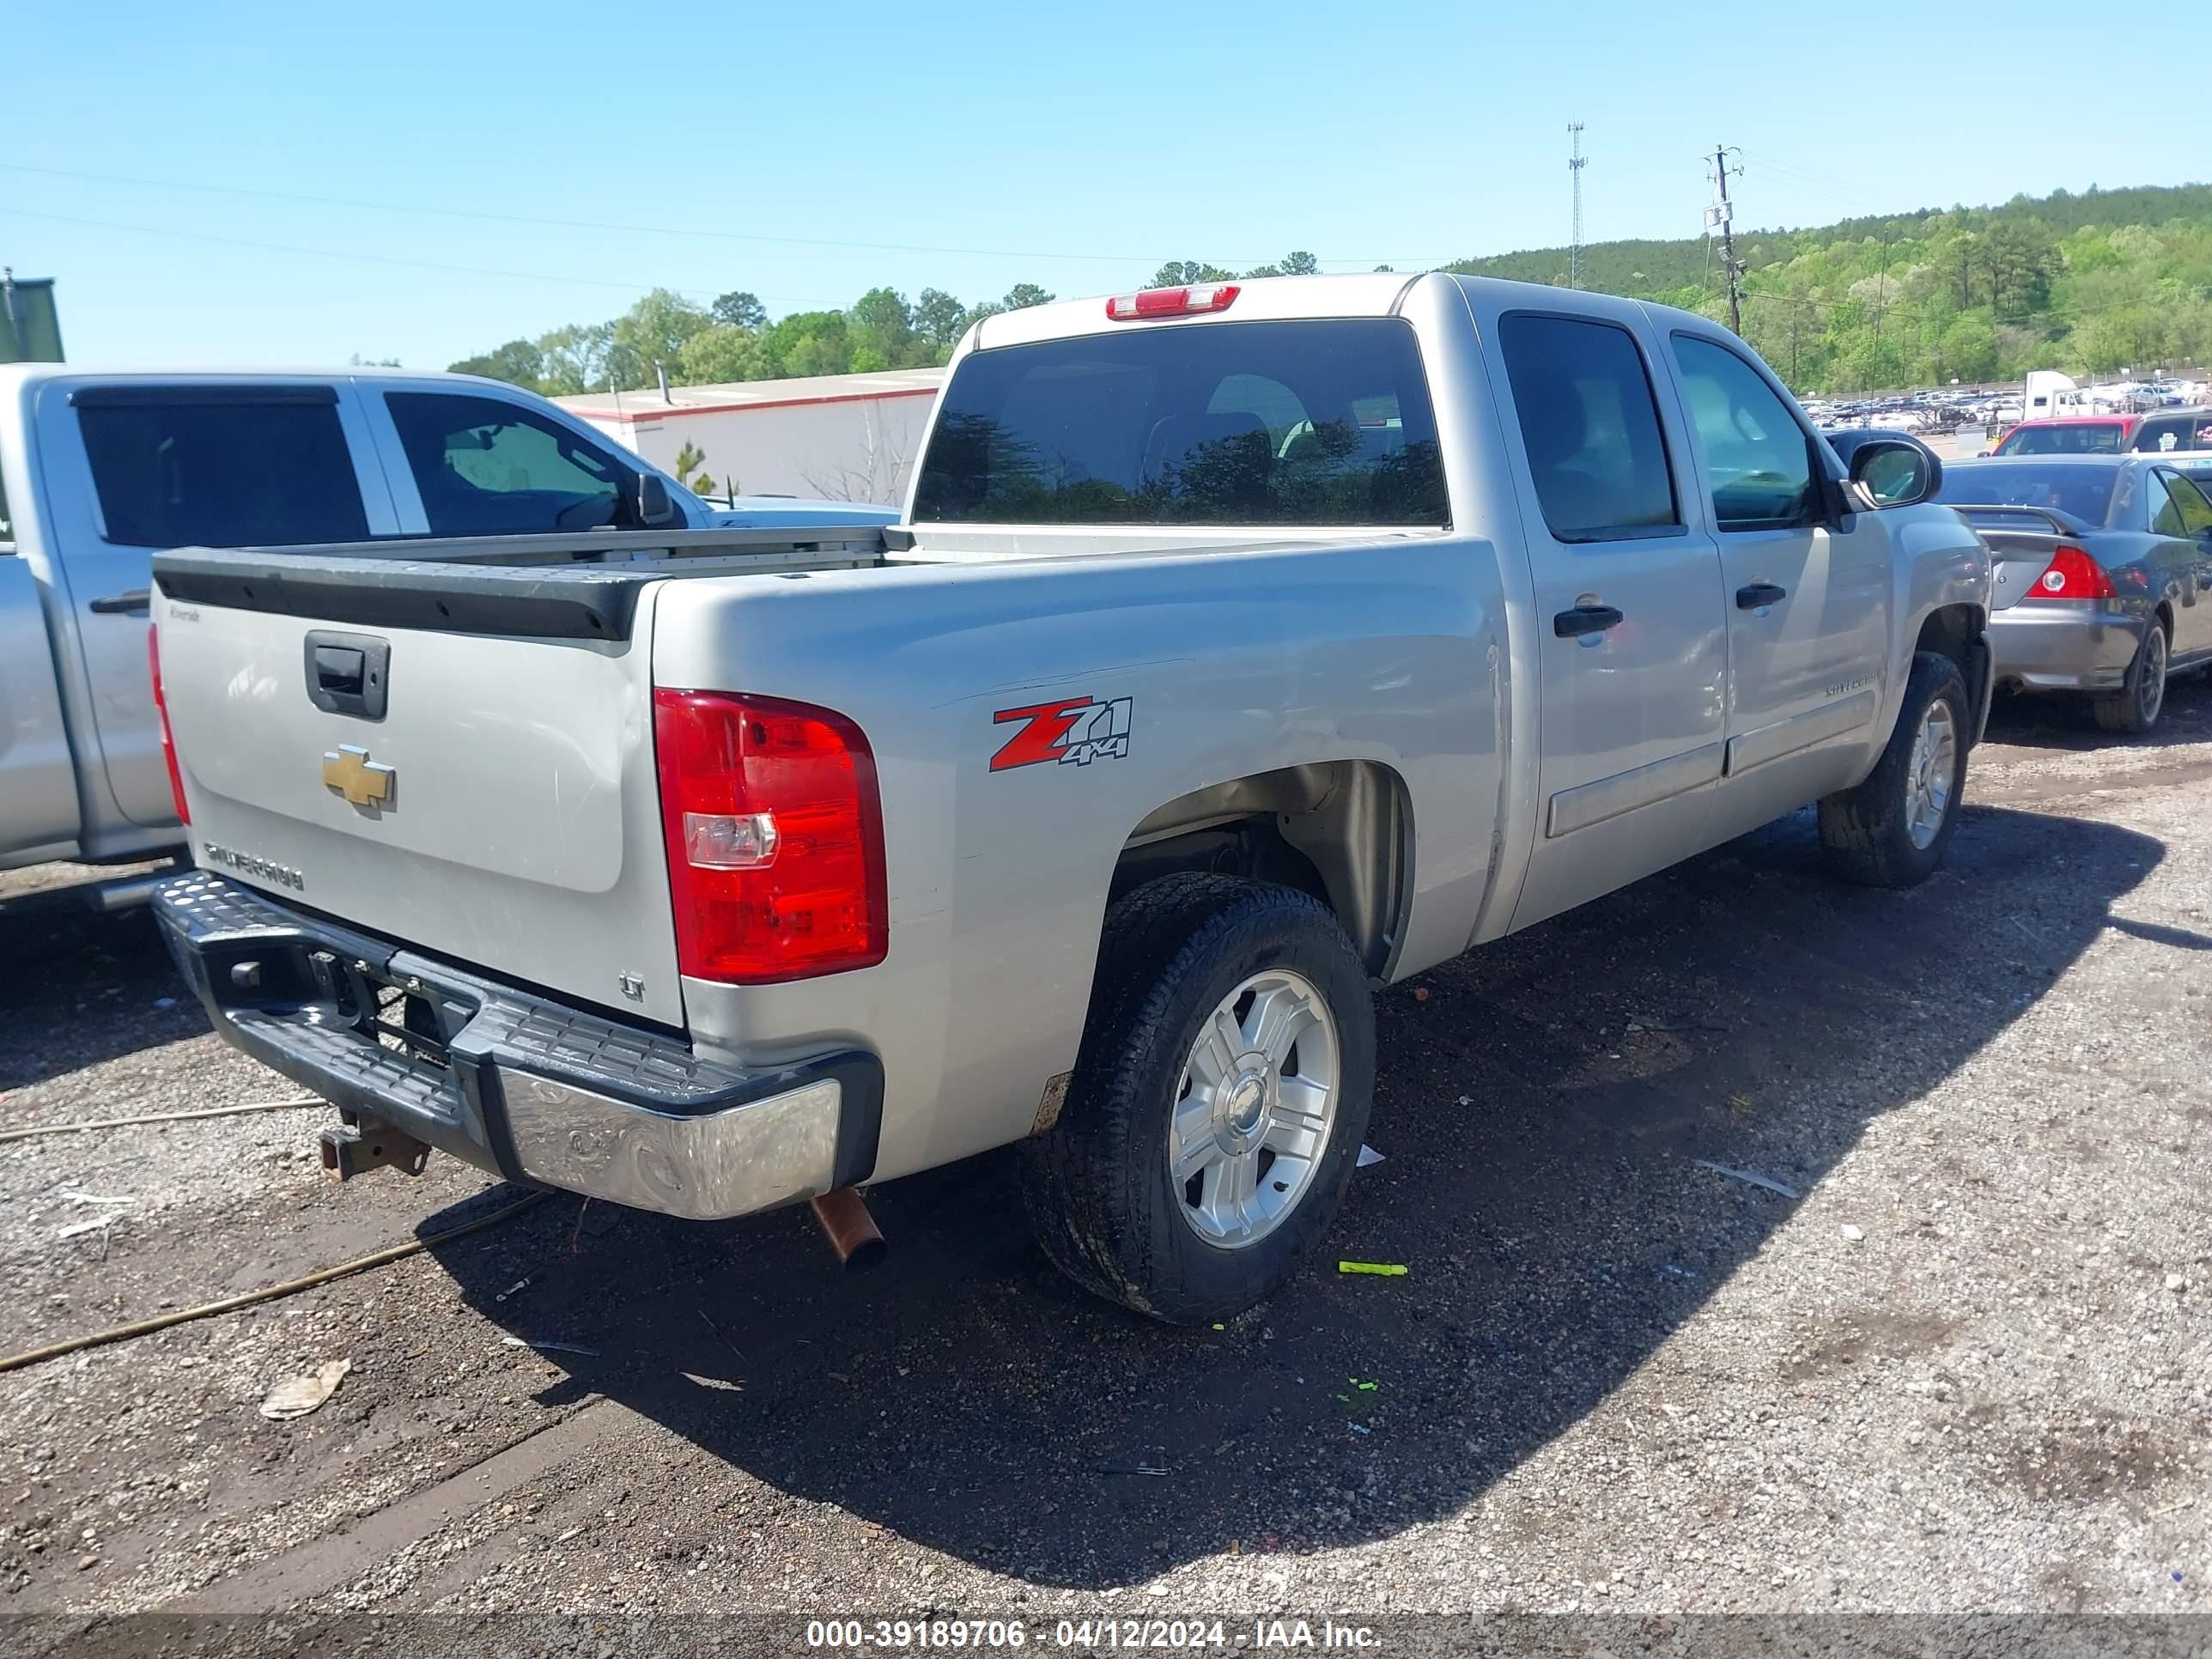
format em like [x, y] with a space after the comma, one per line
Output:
[1967, 1369]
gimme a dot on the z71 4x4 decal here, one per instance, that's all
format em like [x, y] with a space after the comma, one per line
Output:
[1074, 731]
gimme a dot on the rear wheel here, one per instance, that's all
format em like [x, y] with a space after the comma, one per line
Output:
[2143, 694]
[1891, 828]
[1218, 1101]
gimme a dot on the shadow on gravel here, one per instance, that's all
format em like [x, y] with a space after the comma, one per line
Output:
[1538, 1111]
[2043, 721]
[78, 988]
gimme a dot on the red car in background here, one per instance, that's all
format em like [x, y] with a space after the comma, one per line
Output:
[2071, 434]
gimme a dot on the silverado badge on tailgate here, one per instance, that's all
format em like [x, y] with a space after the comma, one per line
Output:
[1073, 732]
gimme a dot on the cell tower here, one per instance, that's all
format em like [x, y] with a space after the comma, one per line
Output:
[1576, 162]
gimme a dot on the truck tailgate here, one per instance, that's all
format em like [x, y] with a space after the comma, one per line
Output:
[501, 810]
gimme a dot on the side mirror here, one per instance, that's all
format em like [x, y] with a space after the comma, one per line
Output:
[654, 509]
[1896, 474]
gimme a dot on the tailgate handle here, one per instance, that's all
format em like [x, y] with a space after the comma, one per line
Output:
[341, 669]
[349, 673]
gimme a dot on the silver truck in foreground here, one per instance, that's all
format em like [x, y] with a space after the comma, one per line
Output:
[1242, 648]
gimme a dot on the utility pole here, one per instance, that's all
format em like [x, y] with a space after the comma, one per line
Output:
[1576, 161]
[1881, 289]
[1720, 216]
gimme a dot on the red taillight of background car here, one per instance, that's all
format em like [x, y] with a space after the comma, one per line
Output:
[168, 743]
[775, 838]
[2071, 575]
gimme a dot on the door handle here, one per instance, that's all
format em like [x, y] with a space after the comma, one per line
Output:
[1585, 619]
[121, 603]
[1755, 595]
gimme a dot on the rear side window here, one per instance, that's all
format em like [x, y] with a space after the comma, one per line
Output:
[1758, 462]
[2189, 507]
[2164, 519]
[1591, 426]
[2061, 441]
[485, 467]
[226, 467]
[1304, 422]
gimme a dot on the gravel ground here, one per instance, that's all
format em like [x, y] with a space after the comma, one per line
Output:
[1968, 1369]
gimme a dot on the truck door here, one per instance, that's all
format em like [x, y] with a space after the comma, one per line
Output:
[2179, 513]
[1631, 638]
[133, 466]
[38, 782]
[1808, 599]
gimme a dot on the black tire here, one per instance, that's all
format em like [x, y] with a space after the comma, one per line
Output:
[2142, 696]
[1866, 831]
[1096, 1185]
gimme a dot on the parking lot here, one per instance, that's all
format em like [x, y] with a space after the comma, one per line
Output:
[1969, 1366]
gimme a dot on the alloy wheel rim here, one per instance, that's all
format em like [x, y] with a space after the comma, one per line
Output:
[1254, 1108]
[2150, 695]
[1930, 774]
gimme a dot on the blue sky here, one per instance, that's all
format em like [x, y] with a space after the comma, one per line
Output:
[973, 145]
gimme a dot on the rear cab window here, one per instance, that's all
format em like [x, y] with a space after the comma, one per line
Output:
[219, 465]
[2088, 439]
[1308, 423]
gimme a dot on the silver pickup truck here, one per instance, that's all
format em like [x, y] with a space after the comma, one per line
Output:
[99, 469]
[1243, 648]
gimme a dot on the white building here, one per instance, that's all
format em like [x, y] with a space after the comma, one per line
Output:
[846, 437]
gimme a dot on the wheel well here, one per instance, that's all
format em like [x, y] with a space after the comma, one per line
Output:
[1956, 631]
[2165, 614]
[1340, 830]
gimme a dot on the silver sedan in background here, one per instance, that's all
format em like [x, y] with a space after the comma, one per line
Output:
[2104, 574]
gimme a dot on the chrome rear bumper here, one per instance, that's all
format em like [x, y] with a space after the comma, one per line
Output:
[539, 1091]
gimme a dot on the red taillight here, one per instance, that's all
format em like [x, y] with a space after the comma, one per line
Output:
[2072, 574]
[1172, 301]
[775, 837]
[168, 743]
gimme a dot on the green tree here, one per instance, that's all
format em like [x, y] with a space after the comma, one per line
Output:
[721, 353]
[1968, 350]
[809, 343]
[740, 309]
[1023, 295]
[691, 468]
[651, 334]
[519, 362]
[882, 329]
[1181, 273]
[939, 320]
[574, 359]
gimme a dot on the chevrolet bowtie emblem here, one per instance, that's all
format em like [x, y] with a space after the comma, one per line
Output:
[351, 772]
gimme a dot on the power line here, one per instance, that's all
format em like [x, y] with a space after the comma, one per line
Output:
[694, 231]
[355, 257]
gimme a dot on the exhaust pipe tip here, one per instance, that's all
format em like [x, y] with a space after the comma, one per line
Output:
[851, 1230]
